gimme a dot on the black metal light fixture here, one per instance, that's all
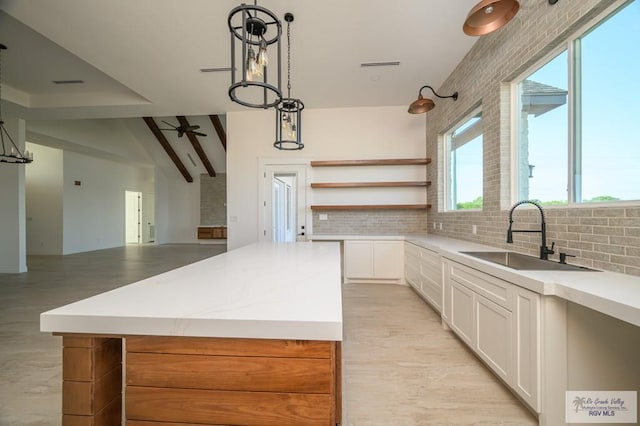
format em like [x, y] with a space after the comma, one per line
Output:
[258, 30]
[289, 110]
[10, 152]
[422, 105]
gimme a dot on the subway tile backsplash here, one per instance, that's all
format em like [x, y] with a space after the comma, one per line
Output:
[370, 222]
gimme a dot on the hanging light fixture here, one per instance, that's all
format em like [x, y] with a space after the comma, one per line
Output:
[10, 152]
[489, 15]
[258, 29]
[289, 110]
[422, 105]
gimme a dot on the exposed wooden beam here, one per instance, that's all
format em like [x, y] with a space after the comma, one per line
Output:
[184, 123]
[217, 124]
[167, 147]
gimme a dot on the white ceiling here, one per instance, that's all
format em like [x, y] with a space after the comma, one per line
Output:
[143, 57]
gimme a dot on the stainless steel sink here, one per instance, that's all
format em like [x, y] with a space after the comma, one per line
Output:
[523, 262]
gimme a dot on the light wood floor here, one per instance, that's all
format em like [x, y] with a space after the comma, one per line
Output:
[400, 367]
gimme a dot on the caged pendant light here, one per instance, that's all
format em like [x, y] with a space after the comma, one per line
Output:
[289, 110]
[258, 30]
[10, 152]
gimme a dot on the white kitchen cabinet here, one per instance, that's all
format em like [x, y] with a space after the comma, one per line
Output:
[423, 271]
[462, 313]
[493, 336]
[374, 261]
[412, 266]
[500, 322]
[527, 334]
[358, 259]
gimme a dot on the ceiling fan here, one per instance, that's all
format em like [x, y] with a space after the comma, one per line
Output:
[184, 129]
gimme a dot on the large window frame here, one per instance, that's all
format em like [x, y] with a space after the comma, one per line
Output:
[468, 132]
[574, 143]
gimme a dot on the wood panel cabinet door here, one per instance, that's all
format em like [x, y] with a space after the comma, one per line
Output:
[462, 315]
[493, 336]
[358, 259]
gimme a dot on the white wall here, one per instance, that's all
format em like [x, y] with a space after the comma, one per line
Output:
[177, 209]
[343, 133]
[94, 211]
[12, 205]
[44, 200]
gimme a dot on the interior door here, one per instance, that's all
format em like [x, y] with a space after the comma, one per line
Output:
[283, 203]
[132, 217]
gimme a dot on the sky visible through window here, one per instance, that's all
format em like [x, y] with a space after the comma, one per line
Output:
[610, 93]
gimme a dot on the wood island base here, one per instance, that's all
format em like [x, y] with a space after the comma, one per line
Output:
[198, 380]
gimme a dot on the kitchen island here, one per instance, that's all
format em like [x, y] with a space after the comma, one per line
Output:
[252, 336]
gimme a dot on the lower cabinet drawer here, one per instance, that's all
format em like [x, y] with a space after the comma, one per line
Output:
[492, 288]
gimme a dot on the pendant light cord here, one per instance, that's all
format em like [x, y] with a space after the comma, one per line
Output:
[288, 59]
[2, 47]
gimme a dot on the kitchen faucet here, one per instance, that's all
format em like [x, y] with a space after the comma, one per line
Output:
[544, 250]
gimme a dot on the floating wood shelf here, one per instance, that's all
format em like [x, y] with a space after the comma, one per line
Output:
[381, 162]
[375, 207]
[369, 184]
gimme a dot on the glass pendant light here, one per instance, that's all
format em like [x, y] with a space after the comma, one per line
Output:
[254, 71]
[257, 29]
[289, 110]
[263, 57]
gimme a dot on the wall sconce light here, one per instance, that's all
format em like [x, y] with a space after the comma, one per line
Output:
[422, 105]
[258, 29]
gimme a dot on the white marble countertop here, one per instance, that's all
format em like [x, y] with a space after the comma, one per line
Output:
[264, 290]
[617, 295]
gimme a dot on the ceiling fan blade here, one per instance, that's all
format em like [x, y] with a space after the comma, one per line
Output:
[199, 134]
[169, 124]
[191, 128]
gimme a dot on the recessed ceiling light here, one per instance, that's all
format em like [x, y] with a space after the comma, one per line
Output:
[215, 69]
[68, 81]
[380, 64]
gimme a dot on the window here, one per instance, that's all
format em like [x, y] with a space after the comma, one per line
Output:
[463, 164]
[576, 139]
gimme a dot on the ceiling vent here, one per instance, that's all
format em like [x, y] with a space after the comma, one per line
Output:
[225, 69]
[380, 64]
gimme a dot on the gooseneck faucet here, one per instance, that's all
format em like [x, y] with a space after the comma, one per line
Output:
[544, 250]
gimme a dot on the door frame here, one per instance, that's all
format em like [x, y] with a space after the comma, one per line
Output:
[266, 168]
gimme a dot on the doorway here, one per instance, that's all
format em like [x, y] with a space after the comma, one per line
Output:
[139, 217]
[283, 193]
[133, 217]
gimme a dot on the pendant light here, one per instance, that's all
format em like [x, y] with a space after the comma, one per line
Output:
[258, 31]
[289, 110]
[489, 15]
[10, 152]
[422, 105]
